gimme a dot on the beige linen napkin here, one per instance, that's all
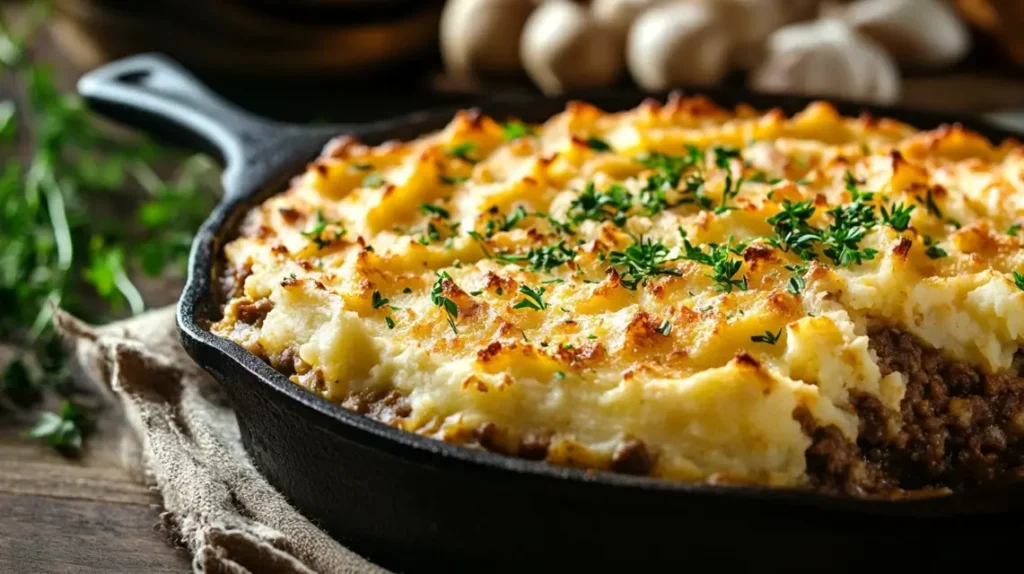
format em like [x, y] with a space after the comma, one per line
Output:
[216, 503]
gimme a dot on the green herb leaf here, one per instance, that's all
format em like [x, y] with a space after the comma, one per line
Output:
[462, 151]
[62, 431]
[533, 299]
[899, 217]
[373, 181]
[641, 261]
[1018, 280]
[438, 298]
[514, 129]
[768, 337]
[441, 212]
[598, 144]
[378, 301]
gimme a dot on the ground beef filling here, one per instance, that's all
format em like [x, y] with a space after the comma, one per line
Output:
[957, 427]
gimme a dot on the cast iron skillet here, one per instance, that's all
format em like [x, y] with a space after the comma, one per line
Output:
[413, 503]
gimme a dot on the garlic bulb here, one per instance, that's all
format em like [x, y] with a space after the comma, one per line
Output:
[563, 48]
[618, 15]
[676, 44]
[827, 58]
[482, 35]
[917, 32]
[750, 22]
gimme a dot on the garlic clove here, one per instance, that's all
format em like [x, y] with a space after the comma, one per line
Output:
[618, 15]
[678, 43]
[482, 35]
[563, 48]
[918, 32]
[827, 58]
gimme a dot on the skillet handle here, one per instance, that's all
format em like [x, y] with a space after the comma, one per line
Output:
[156, 94]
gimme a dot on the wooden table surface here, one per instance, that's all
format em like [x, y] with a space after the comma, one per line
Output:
[82, 516]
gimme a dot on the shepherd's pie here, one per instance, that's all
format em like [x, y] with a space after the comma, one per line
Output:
[677, 290]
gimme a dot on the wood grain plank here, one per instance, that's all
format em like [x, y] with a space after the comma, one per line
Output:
[44, 535]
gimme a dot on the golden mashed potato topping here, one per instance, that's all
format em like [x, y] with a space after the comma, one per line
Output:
[676, 290]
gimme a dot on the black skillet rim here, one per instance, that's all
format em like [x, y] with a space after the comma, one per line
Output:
[197, 298]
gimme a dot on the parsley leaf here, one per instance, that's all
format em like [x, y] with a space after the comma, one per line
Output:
[514, 129]
[543, 258]
[1018, 280]
[316, 234]
[378, 301]
[899, 217]
[441, 212]
[933, 251]
[792, 230]
[373, 181]
[598, 144]
[724, 267]
[1013, 230]
[462, 151]
[593, 204]
[642, 260]
[768, 337]
[452, 179]
[532, 299]
[438, 298]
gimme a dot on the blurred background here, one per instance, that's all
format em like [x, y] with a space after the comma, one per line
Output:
[345, 60]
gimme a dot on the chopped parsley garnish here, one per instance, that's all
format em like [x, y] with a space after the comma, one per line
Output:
[929, 202]
[796, 283]
[559, 375]
[361, 166]
[670, 173]
[1013, 230]
[723, 156]
[543, 258]
[431, 235]
[441, 212]
[1018, 280]
[598, 144]
[316, 234]
[407, 290]
[378, 301]
[452, 179]
[532, 299]
[481, 242]
[665, 328]
[373, 181]
[768, 337]
[792, 230]
[513, 129]
[389, 322]
[505, 222]
[842, 238]
[642, 260]
[438, 298]
[899, 217]
[463, 151]
[933, 251]
[724, 267]
[612, 204]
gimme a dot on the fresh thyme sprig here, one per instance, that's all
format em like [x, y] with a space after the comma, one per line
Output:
[533, 299]
[724, 267]
[543, 258]
[599, 205]
[641, 261]
[438, 297]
